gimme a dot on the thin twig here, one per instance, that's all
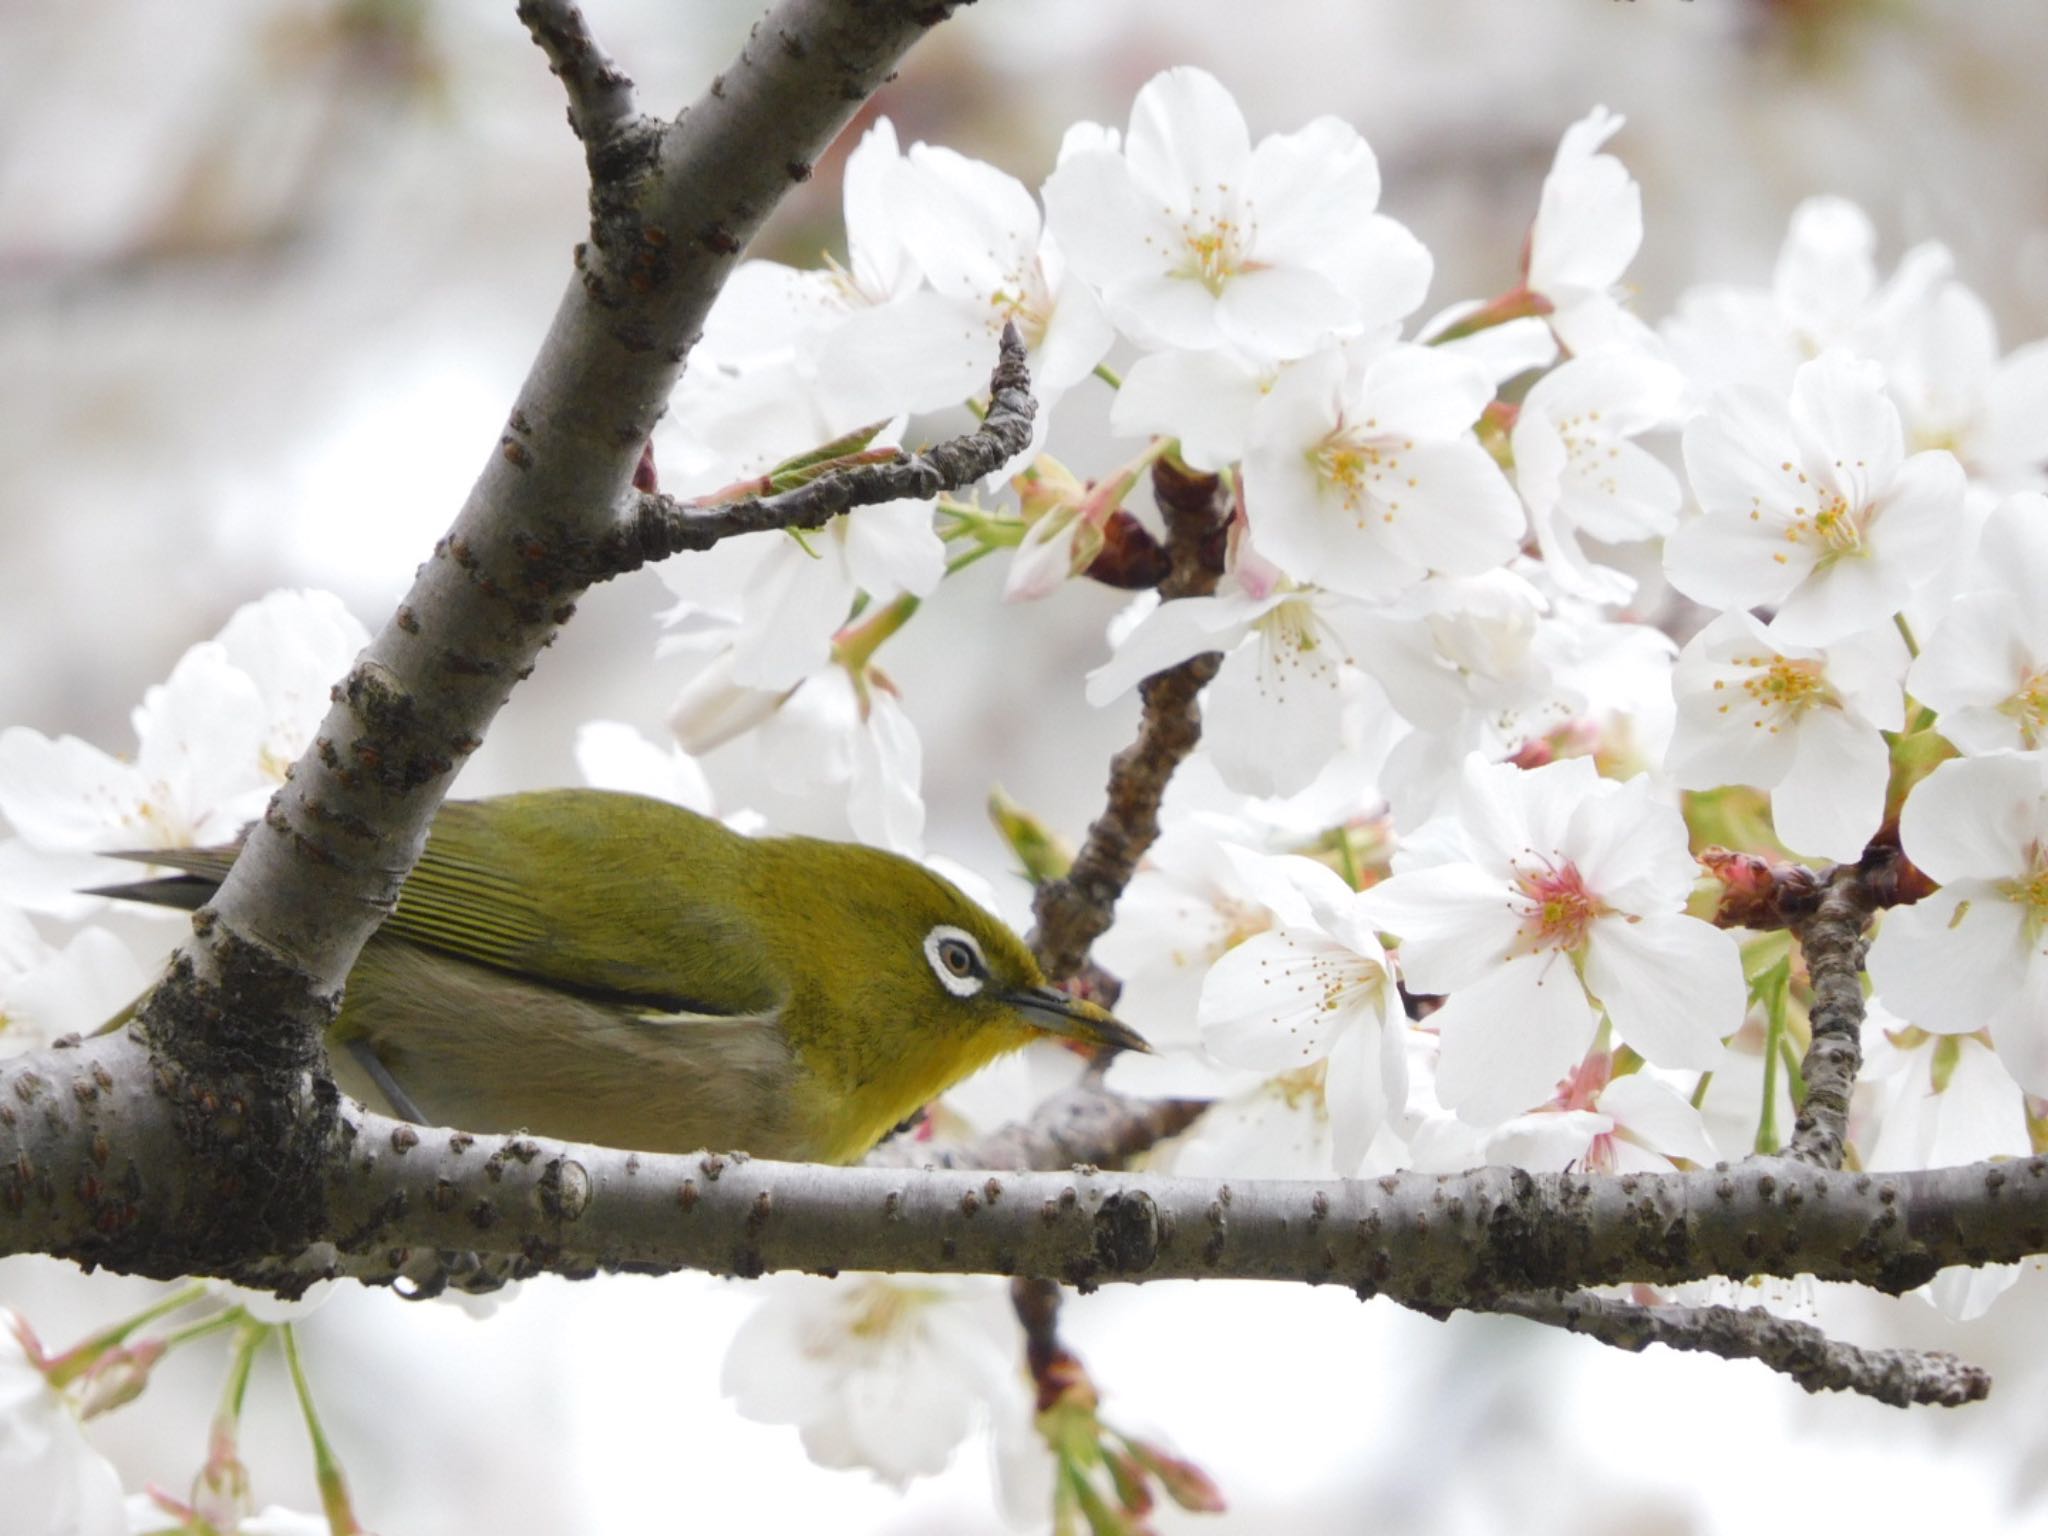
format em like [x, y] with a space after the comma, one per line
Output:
[600, 93]
[1075, 911]
[1900, 1377]
[1832, 941]
[662, 526]
[1087, 1124]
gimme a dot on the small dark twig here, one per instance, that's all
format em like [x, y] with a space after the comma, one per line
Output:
[1832, 941]
[1900, 1377]
[1074, 912]
[1085, 1124]
[662, 526]
[1053, 1368]
[600, 93]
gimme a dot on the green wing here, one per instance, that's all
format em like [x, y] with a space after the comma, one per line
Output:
[607, 895]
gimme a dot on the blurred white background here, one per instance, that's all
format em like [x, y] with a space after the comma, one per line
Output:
[270, 271]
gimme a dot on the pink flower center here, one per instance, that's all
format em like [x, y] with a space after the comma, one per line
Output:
[1560, 912]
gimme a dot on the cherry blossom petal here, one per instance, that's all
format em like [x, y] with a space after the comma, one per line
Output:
[1653, 1112]
[1204, 399]
[1831, 799]
[1672, 985]
[2020, 1028]
[1280, 312]
[1187, 138]
[1367, 1077]
[1510, 1035]
[1839, 404]
[1975, 818]
[1454, 922]
[1946, 972]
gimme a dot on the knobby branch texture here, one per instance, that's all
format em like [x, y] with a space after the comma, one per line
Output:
[234, 1029]
[90, 1181]
[1900, 1377]
[1076, 910]
[661, 526]
[1832, 942]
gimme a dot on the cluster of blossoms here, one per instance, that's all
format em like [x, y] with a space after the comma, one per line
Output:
[1429, 896]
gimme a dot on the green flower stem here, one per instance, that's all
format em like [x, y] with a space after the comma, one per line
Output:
[1773, 990]
[334, 1502]
[1795, 1079]
[856, 647]
[1109, 376]
[247, 1342]
[80, 1358]
[1906, 634]
[203, 1327]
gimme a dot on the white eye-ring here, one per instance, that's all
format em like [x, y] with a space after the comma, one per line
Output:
[955, 959]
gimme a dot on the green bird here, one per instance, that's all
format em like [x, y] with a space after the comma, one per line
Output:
[609, 968]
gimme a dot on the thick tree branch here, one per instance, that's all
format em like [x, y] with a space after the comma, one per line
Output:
[1900, 1377]
[238, 1019]
[1074, 911]
[95, 1167]
[1832, 941]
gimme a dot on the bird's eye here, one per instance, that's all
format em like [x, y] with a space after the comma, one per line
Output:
[956, 960]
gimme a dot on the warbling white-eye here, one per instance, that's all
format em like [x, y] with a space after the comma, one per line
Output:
[605, 967]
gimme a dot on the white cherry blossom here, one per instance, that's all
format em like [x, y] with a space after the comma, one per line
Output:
[54, 1480]
[1588, 228]
[977, 234]
[1202, 400]
[1552, 897]
[1812, 505]
[1824, 294]
[1985, 666]
[1974, 955]
[1316, 989]
[1276, 708]
[1944, 1101]
[1636, 1123]
[884, 1372]
[212, 743]
[1803, 723]
[47, 991]
[1955, 391]
[1580, 472]
[1362, 474]
[1196, 238]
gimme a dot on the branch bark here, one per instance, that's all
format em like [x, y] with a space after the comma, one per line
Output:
[92, 1167]
[1900, 1377]
[238, 1019]
[1076, 910]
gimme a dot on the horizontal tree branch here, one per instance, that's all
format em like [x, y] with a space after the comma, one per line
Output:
[92, 1168]
[1900, 1377]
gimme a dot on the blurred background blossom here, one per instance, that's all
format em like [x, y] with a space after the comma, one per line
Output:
[270, 271]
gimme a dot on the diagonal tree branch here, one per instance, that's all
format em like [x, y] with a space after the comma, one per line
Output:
[661, 526]
[236, 1024]
[1899, 1377]
[1075, 910]
[601, 104]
